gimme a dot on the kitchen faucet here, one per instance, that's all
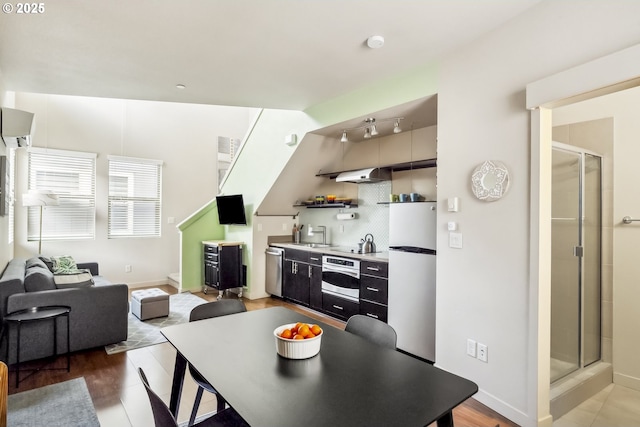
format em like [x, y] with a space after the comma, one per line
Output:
[312, 232]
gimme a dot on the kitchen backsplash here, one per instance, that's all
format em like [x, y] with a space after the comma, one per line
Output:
[372, 217]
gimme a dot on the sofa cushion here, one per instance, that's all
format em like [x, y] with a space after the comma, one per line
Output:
[64, 264]
[35, 262]
[38, 279]
[80, 279]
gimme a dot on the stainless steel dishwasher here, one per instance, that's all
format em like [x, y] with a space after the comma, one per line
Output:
[273, 270]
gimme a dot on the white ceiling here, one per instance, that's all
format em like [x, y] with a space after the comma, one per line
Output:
[288, 54]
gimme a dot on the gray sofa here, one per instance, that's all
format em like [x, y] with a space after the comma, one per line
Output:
[99, 310]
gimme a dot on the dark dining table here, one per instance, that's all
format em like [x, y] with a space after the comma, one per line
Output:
[351, 382]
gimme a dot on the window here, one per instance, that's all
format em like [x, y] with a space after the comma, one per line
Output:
[72, 176]
[135, 188]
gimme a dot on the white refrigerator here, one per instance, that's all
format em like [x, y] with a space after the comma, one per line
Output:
[412, 277]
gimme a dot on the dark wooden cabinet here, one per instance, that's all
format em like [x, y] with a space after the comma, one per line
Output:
[296, 281]
[374, 289]
[339, 307]
[315, 280]
[223, 267]
[302, 279]
[302, 284]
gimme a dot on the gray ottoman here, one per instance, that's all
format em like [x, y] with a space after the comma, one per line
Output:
[149, 303]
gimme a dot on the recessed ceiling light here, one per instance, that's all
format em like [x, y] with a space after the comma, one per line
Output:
[374, 42]
[180, 86]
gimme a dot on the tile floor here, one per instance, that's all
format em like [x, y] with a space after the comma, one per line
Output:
[615, 406]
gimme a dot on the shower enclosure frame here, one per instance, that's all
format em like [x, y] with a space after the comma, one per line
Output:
[580, 360]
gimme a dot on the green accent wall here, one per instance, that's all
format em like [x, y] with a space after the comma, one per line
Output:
[202, 225]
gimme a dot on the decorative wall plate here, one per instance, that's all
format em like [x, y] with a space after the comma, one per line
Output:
[490, 181]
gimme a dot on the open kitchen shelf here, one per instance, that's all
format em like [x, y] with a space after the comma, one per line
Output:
[396, 167]
[328, 205]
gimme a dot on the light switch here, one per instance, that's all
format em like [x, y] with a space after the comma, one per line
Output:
[455, 240]
[453, 204]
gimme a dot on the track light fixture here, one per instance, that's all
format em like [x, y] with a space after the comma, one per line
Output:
[370, 127]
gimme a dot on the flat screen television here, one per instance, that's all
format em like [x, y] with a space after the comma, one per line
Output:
[231, 210]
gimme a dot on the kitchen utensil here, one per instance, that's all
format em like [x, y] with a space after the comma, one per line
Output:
[404, 197]
[369, 246]
[360, 246]
[415, 197]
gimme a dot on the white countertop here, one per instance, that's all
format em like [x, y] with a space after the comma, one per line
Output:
[378, 256]
[222, 243]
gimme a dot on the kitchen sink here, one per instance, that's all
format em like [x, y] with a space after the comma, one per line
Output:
[314, 245]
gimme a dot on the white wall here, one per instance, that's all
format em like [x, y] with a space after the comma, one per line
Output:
[483, 289]
[6, 248]
[184, 136]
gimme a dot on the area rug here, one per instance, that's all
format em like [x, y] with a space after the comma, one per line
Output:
[66, 404]
[143, 334]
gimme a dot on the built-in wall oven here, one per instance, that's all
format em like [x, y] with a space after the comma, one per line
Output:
[340, 286]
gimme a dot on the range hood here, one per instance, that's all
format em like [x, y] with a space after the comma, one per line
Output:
[15, 127]
[364, 176]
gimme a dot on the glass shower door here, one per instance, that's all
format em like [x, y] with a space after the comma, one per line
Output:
[576, 260]
[565, 271]
[592, 260]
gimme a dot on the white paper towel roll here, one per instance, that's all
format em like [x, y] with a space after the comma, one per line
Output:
[343, 216]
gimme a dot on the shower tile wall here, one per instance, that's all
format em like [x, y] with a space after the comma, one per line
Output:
[371, 218]
[597, 136]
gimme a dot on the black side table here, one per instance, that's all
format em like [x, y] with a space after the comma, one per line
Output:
[37, 314]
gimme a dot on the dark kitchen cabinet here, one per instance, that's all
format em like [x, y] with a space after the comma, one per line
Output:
[339, 307]
[374, 286]
[296, 285]
[315, 281]
[223, 268]
[303, 277]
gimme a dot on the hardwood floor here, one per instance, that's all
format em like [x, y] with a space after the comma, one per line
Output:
[120, 399]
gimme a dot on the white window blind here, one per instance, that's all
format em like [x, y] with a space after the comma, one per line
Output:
[72, 176]
[135, 188]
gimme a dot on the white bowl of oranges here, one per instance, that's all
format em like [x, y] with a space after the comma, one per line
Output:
[298, 340]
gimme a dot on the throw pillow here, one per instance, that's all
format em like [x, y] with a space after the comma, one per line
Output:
[79, 279]
[38, 279]
[47, 261]
[34, 262]
[64, 264]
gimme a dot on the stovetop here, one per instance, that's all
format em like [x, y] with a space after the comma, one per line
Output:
[351, 250]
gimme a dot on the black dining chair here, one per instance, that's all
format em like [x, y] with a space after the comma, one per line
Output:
[373, 330]
[207, 311]
[162, 416]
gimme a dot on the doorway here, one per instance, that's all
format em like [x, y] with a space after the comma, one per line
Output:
[576, 259]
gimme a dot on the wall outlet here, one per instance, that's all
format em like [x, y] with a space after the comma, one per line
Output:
[284, 227]
[483, 353]
[127, 268]
[471, 347]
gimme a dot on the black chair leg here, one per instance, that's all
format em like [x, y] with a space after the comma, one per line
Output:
[196, 405]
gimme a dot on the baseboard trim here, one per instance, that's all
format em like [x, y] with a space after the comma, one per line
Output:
[508, 411]
[626, 381]
[150, 283]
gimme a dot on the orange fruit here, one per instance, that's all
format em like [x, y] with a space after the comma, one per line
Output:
[316, 330]
[298, 337]
[310, 335]
[286, 334]
[303, 330]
